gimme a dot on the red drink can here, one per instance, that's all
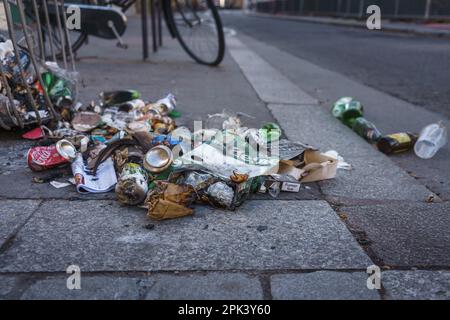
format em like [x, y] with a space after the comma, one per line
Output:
[43, 158]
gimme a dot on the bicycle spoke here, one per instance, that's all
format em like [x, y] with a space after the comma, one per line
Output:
[198, 29]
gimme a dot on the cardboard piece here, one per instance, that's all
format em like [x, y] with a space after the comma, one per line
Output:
[318, 167]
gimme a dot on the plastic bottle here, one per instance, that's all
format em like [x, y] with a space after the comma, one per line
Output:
[431, 139]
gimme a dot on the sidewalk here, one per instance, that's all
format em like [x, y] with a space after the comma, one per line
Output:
[316, 244]
[434, 29]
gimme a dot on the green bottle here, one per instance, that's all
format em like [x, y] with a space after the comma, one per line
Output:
[270, 132]
[48, 79]
[366, 129]
[347, 109]
[118, 97]
[397, 142]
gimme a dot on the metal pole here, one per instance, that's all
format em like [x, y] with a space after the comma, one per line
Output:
[67, 36]
[4, 83]
[49, 30]
[427, 9]
[152, 17]
[12, 36]
[397, 8]
[361, 8]
[144, 22]
[61, 34]
[39, 31]
[159, 23]
[33, 61]
[302, 5]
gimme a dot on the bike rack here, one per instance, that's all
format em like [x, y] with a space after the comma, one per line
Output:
[24, 41]
[156, 8]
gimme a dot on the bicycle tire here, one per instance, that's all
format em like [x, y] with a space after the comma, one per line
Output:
[220, 35]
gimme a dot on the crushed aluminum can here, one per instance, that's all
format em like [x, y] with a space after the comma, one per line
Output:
[132, 186]
[158, 159]
[86, 121]
[166, 104]
[66, 149]
[44, 158]
[221, 193]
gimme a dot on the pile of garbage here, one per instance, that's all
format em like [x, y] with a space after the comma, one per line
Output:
[426, 144]
[135, 148]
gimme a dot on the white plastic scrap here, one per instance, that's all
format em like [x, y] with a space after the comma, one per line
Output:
[341, 162]
[5, 49]
[59, 185]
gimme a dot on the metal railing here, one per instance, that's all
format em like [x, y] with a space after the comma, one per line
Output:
[35, 39]
[402, 9]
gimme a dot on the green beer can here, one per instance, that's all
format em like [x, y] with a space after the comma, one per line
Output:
[347, 109]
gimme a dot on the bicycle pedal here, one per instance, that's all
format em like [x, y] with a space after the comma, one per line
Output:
[120, 42]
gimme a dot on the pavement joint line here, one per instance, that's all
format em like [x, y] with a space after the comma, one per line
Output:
[133, 273]
[331, 200]
[269, 84]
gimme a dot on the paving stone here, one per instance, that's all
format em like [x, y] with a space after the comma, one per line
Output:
[13, 213]
[92, 288]
[7, 284]
[405, 234]
[322, 285]
[211, 286]
[270, 85]
[416, 285]
[103, 236]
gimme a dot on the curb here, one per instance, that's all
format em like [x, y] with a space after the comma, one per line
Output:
[386, 26]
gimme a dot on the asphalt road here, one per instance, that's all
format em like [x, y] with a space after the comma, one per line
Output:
[413, 68]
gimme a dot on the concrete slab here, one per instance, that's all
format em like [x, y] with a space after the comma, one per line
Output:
[417, 285]
[13, 215]
[270, 85]
[196, 286]
[7, 284]
[405, 234]
[210, 286]
[322, 285]
[261, 235]
[374, 176]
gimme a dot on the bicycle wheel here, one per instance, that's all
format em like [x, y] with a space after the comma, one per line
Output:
[198, 28]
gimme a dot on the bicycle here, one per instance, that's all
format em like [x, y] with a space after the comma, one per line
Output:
[195, 23]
